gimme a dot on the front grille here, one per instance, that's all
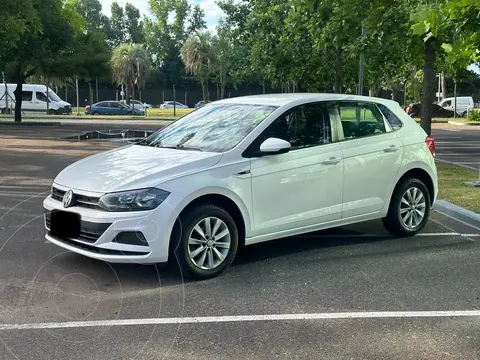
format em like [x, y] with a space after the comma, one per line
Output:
[98, 250]
[89, 232]
[89, 202]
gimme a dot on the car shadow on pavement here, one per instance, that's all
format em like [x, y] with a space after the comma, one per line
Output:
[130, 276]
[335, 237]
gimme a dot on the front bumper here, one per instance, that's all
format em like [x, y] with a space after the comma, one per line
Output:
[65, 111]
[154, 225]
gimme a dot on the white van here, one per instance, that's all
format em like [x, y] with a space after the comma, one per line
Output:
[34, 100]
[464, 103]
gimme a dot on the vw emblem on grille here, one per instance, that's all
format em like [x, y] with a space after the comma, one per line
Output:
[68, 199]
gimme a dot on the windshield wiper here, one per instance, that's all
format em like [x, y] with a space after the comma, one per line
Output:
[178, 147]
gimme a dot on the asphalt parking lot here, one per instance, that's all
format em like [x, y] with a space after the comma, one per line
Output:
[349, 293]
[458, 144]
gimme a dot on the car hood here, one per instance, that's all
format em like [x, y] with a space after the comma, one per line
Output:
[64, 103]
[133, 167]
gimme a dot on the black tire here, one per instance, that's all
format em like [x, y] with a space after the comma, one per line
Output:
[464, 115]
[52, 112]
[180, 245]
[95, 113]
[393, 221]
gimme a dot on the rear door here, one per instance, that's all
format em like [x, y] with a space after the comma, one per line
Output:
[372, 157]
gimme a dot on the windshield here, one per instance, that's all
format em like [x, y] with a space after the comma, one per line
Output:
[216, 127]
[52, 96]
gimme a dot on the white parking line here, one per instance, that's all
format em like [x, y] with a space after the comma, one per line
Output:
[346, 236]
[242, 318]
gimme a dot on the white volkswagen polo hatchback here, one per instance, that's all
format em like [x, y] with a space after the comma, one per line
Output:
[242, 171]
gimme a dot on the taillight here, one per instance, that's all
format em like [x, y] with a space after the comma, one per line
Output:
[430, 141]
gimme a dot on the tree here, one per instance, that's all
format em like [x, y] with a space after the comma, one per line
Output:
[16, 18]
[222, 50]
[197, 55]
[197, 20]
[117, 25]
[445, 26]
[38, 51]
[133, 24]
[91, 12]
[131, 67]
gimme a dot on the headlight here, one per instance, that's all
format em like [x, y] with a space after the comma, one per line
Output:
[134, 200]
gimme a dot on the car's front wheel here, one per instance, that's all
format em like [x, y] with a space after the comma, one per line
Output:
[207, 242]
[409, 208]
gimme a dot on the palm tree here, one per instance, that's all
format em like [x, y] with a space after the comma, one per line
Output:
[131, 67]
[197, 55]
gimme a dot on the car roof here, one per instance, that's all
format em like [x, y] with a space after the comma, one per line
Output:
[298, 98]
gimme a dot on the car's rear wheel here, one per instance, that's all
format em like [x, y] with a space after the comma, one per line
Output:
[464, 115]
[207, 242]
[95, 113]
[409, 208]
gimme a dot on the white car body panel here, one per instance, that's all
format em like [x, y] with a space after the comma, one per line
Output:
[266, 190]
[280, 177]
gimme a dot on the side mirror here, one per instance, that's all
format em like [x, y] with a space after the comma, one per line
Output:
[273, 146]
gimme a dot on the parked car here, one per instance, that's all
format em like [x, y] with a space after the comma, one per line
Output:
[138, 104]
[200, 104]
[242, 171]
[169, 105]
[34, 100]
[112, 108]
[415, 110]
[464, 104]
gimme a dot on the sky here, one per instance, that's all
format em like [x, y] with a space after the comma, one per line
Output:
[212, 11]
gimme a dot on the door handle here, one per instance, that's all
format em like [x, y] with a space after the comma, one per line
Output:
[391, 148]
[331, 161]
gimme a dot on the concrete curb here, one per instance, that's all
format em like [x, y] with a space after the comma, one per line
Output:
[458, 213]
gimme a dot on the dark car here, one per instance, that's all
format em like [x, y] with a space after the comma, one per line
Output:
[200, 104]
[112, 108]
[415, 110]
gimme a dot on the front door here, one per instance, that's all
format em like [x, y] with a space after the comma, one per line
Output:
[41, 102]
[303, 187]
[372, 157]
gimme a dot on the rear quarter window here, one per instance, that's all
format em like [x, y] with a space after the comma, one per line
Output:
[392, 119]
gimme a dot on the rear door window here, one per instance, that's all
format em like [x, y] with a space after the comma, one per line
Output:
[360, 120]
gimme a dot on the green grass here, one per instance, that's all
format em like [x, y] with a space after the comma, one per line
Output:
[465, 121]
[152, 114]
[452, 188]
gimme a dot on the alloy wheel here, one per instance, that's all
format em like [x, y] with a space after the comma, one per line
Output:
[412, 208]
[209, 243]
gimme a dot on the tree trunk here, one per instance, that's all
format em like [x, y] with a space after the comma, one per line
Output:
[133, 99]
[18, 99]
[338, 71]
[428, 86]
[204, 90]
